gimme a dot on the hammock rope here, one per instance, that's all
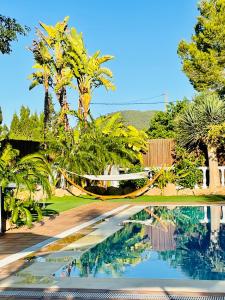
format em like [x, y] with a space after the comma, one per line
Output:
[131, 195]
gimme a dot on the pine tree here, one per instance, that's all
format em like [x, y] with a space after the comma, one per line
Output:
[9, 31]
[203, 59]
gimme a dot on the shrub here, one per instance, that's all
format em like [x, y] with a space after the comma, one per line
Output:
[22, 212]
[135, 183]
[186, 168]
[167, 176]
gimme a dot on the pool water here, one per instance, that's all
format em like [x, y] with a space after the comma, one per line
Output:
[174, 243]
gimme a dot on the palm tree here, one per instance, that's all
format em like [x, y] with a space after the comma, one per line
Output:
[51, 64]
[55, 39]
[95, 145]
[194, 126]
[42, 75]
[26, 173]
[87, 70]
[67, 60]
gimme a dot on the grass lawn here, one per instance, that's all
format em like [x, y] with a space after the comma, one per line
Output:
[61, 204]
[176, 199]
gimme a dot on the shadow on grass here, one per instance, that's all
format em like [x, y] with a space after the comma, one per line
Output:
[46, 212]
[215, 198]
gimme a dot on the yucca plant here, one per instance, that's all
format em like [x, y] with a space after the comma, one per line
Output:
[194, 127]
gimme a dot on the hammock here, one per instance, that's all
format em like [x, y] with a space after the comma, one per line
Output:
[134, 194]
[118, 177]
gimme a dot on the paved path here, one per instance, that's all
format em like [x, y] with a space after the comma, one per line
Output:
[17, 240]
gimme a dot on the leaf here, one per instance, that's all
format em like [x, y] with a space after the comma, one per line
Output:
[104, 59]
[15, 213]
[51, 31]
[28, 216]
[33, 84]
[107, 83]
[39, 212]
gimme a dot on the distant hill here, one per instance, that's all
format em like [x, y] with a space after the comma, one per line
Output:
[137, 118]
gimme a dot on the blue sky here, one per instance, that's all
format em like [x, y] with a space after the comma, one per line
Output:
[142, 35]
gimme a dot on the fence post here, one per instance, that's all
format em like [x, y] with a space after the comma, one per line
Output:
[2, 213]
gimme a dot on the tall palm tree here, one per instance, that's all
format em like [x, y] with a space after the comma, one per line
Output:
[55, 39]
[52, 70]
[69, 60]
[194, 124]
[87, 70]
[42, 75]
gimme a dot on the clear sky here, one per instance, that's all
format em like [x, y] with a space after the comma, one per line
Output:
[142, 35]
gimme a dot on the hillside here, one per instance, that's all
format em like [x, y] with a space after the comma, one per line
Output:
[137, 118]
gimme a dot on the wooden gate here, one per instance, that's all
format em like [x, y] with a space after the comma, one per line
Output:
[159, 153]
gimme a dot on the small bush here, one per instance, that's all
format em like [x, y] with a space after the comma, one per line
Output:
[136, 183]
[186, 168]
[167, 176]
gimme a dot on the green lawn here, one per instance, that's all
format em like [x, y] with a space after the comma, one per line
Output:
[176, 199]
[60, 204]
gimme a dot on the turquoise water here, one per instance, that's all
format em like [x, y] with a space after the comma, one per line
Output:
[180, 243]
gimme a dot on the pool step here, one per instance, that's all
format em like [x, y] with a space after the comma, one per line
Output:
[85, 242]
[66, 256]
[104, 230]
[41, 269]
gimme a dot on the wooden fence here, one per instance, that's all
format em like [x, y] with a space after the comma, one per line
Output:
[159, 153]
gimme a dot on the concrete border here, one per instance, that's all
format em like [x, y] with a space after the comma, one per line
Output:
[27, 251]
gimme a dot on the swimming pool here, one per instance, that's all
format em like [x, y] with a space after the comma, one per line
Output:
[158, 242]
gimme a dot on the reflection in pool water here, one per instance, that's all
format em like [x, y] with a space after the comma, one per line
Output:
[181, 242]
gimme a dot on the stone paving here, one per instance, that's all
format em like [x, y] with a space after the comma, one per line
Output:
[17, 240]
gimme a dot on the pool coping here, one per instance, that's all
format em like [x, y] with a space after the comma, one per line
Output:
[27, 251]
[145, 289]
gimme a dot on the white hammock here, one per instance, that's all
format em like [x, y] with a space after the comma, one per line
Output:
[130, 176]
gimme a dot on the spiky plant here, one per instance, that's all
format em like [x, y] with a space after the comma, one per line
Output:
[194, 126]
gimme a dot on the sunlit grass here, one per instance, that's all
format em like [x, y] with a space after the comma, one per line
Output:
[64, 203]
[60, 204]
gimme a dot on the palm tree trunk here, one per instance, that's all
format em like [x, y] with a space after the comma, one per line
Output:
[84, 106]
[214, 176]
[61, 96]
[65, 109]
[80, 107]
